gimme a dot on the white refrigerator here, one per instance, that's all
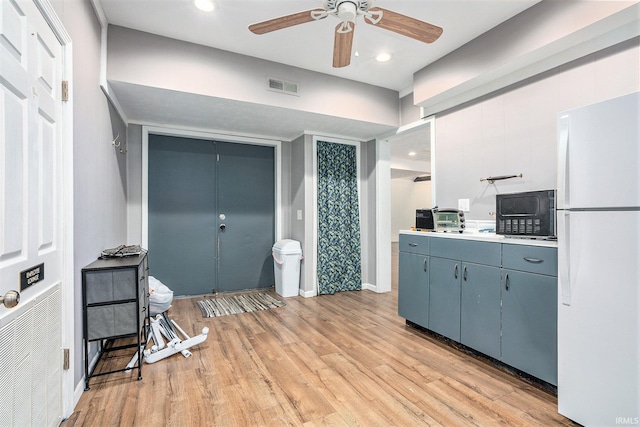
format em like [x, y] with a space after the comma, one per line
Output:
[598, 227]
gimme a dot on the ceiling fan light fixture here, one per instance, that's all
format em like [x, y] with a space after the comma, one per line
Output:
[205, 5]
[383, 57]
[347, 11]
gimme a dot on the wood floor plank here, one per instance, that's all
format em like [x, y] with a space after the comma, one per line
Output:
[340, 360]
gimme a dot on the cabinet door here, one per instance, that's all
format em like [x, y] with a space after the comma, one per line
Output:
[413, 288]
[444, 297]
[480, 308]
[529, 323]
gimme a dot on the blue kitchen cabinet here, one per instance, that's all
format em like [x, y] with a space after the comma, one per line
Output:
[480, 308]
[464, 297]
[497, 298]
[529, 310]
[413, 279]
[444, 297]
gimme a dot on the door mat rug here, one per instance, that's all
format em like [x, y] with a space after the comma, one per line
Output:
[223, 306]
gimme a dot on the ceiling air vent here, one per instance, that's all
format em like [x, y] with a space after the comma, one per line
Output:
[282, 86]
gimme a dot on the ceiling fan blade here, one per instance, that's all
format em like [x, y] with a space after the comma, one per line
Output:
[284, 21]
[406, 25]
[342, 45]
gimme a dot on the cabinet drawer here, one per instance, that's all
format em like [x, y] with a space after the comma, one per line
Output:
[110, 285]
[487, 253]
[414, 244]
[111, 320]
[532, 259]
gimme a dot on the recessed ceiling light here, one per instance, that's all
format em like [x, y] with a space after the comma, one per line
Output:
[383, 57]
[412, 153]
[205, 5]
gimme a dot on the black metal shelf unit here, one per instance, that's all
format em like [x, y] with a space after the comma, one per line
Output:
[115, 304]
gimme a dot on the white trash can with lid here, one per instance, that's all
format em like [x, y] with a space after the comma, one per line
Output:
[287, 254]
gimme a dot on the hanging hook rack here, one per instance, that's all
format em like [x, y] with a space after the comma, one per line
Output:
[493, 179]
[117, 144]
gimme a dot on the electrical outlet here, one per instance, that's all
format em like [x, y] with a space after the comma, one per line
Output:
[463, 205]
[299, 214]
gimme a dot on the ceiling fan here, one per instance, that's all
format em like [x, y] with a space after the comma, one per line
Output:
[347, 11]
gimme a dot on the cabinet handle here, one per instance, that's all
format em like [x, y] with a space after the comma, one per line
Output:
[464, 273]
[455, 271]
[534, 260]
[424, 265]
[413, 245]
[506, 282]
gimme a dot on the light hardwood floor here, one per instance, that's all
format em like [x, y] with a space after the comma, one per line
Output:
[340, 360]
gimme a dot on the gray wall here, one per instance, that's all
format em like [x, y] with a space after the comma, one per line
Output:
[542, 37]
[302, 179]
[409, 113]
[301, 200]
[368, 210]
[514, 130]
[145, 59]
[100, 178]
[285, 188]
[134, 184]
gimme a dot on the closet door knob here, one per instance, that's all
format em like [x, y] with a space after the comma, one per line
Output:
[10, 299]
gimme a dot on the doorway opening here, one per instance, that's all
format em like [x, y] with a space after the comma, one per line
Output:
[412, 183]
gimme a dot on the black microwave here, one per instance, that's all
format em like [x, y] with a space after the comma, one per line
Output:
[530, 214]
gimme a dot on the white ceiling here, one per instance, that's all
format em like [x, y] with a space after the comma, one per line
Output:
[308, 46]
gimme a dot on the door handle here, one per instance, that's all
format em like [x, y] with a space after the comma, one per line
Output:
[464, 273]
[506, 282]
[223, 227]
[10, 299]
[455, 271]
[424, 265]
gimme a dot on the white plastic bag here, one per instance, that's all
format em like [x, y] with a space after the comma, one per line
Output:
[160, 297]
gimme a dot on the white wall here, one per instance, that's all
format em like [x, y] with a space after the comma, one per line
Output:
[406, 197]
[514, 131]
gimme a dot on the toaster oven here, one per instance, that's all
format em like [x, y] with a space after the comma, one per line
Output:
[442, 220]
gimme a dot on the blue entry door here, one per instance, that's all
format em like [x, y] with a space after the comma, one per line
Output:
[246, 216]
[211, 215]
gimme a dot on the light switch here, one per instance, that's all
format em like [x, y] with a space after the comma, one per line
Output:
[463, 205]
[299, 214]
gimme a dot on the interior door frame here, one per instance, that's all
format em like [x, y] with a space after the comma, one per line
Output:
[314, 262]
[211, 136]
[69, 394]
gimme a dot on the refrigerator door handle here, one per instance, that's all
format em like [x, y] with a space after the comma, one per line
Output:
[564, 256]
[562, 196]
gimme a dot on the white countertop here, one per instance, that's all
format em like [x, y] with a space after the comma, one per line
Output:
[485, 237]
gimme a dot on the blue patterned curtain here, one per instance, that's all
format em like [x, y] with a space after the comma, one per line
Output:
[338, 219]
